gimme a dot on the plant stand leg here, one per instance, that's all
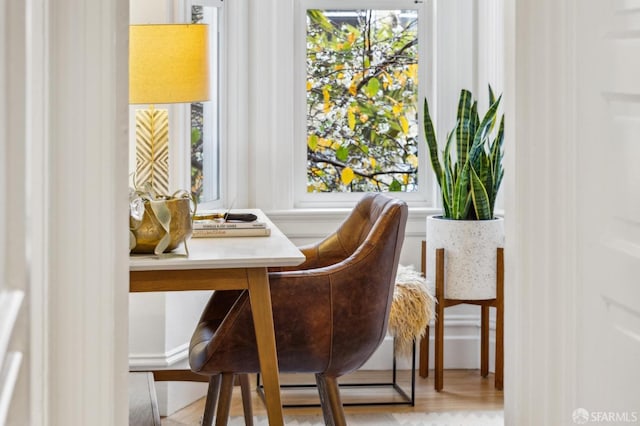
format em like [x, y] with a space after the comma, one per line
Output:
[424, 343]
[499, 319]
[484, 341]
[439, 321]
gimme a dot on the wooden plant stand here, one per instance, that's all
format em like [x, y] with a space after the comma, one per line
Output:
[442, 303]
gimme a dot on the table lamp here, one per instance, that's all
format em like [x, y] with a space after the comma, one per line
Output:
[168, 63]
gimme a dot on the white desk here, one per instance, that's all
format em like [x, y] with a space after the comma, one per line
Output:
[228, 264]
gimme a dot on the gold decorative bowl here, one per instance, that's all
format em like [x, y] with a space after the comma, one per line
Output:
[150, 231]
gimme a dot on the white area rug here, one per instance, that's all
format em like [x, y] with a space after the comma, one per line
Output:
[476, 418]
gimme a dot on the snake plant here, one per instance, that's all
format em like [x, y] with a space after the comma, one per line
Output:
[469, 182]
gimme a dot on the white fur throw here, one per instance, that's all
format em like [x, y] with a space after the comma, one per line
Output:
[411, 309]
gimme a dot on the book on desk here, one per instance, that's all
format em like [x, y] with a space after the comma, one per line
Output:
[217, 229]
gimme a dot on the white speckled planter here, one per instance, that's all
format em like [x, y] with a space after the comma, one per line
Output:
[470, 255]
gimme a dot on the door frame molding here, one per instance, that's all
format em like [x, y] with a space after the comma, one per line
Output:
[541, 180]
[84, 213]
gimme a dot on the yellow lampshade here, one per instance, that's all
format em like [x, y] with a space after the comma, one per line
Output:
[168, 63]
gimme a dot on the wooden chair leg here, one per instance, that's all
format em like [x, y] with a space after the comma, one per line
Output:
[212, 399]
[329, 391]
[439, 321]
[245, 387]
[224, 402]
[424, 354]
[484, 341]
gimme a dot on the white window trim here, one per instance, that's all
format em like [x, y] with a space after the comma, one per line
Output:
[181, 114]
[303, 199]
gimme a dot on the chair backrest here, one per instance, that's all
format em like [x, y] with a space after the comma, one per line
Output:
[362, 283]
[344, 241]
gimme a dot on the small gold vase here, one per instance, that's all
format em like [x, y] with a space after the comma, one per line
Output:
[150, 231]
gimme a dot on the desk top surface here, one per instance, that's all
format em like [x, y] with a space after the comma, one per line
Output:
[230, 252]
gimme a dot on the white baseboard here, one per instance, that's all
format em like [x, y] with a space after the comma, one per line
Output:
[160, 360]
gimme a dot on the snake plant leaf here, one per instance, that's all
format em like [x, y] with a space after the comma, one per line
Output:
[449, 174]
[464, 131]
[432, 143]
[461, 193]
[496, 149]
[480, 196]
[483, 170]
[475, 119]
[447, 192]
[483, 129]
[496, 187]
[469, 179]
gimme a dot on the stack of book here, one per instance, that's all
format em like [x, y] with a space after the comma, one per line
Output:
[214, 229]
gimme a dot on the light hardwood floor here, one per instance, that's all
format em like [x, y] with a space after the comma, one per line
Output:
[463, 390]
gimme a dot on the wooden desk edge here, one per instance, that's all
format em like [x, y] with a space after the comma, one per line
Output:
[188, 280]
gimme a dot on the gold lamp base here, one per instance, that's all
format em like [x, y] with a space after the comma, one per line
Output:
[152, 149]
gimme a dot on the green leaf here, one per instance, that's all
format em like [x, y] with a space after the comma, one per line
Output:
[481, 132]
[372, 87]
[461, 194]
[342, 153]
[395, 186]
[195, 135]
[318, 17]
[481, 203]
[463, 133]
[312, 142]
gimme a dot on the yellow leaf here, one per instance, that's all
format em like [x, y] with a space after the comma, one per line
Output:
[339, 67]
[326, 96]
[373, 162]
[404, 123]
[412, 72]
[353, 89]
[309, 85]
[364, 118]
[397, 108]
[347, 175]
[325, 143]
[351, 117]
[413, 160]
[351, 38]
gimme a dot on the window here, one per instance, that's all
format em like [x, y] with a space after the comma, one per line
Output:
[362, 84]
[204, 117]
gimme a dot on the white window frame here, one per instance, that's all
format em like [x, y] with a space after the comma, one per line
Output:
[212, 108]
[426, 54]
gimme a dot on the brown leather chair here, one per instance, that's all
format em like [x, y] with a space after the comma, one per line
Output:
[330, 313]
